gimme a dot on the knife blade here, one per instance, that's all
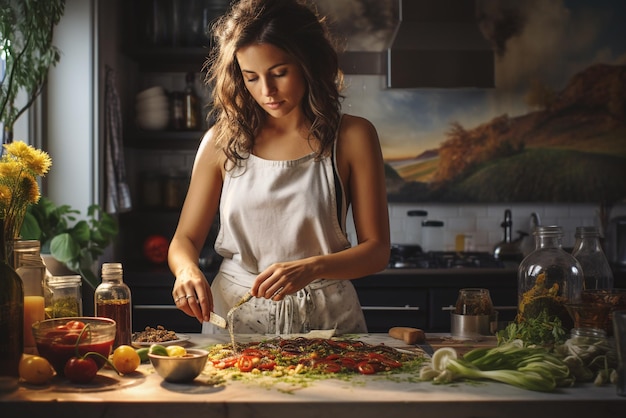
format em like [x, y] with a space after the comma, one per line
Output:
[217, 320]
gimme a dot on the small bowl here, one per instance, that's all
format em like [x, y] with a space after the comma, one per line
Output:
[56, 342]
[180, 369]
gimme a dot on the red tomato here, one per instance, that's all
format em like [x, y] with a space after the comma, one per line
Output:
[74, 325]
[155, 248]
[80, 370]
[247, 363]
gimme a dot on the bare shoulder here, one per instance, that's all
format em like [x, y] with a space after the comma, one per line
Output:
[355, 128]
[357, 135]
[208, 151]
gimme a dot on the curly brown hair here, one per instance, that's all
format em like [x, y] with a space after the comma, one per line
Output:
[294, 26]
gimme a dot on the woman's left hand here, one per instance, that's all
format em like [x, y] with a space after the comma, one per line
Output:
[281, 279]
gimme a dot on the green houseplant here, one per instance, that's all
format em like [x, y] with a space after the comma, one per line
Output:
[75, 243]
[26, 32]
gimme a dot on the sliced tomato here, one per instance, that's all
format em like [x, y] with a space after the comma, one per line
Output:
[366, 367]
[328, 366]
[266, 364]
[391, 363]
[225, 363]
[348, 363]
[247, 363]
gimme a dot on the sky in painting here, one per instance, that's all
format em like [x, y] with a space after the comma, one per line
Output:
[548, 41]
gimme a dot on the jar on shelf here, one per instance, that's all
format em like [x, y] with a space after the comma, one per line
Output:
[549, 278]
[588, 251]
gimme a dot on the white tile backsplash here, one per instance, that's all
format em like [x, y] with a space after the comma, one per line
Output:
[482, 222]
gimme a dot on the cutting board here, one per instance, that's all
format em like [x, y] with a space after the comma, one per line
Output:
[462, 346]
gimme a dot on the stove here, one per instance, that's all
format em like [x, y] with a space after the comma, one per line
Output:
[412, 257]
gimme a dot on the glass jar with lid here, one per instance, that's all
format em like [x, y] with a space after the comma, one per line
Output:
[549, 278]
[63, 296]
[588, 251]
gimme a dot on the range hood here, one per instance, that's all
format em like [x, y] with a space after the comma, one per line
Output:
[438, 44]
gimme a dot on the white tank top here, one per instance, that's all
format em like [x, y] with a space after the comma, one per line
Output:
[273, 211]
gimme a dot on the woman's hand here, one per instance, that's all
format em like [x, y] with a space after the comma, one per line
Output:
[281, 279]
[192, 293]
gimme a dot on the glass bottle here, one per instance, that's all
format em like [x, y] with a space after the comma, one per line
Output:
[588, 251]
[548, 279]
[191, 111]
[63, 296]
[11, 313]
[112, 299]
[32, 271]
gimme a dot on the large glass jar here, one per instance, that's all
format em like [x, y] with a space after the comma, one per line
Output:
[588, 251]
[548, 279]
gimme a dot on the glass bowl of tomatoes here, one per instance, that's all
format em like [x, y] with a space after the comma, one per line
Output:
[60, 339]
[180, 369]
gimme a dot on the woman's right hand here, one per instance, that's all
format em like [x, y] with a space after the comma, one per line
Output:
[192, 293]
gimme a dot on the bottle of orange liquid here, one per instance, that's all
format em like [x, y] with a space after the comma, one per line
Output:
[32, 271]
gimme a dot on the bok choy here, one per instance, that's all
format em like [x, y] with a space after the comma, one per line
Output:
[532, 368]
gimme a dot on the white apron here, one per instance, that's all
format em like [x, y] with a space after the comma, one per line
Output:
[273, 211]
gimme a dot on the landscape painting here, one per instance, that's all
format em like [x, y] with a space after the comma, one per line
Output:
[552, 130]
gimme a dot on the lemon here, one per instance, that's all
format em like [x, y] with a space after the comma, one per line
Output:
[176, 351]
[158, 350]
[126, 359]
[35, 369]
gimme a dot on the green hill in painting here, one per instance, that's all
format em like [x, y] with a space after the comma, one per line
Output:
[574, 150]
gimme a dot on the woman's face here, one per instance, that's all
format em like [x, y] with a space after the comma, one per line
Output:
[272, 77]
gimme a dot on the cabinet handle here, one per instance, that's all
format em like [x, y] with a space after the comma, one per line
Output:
[390, 308]
[495, 308]
[154, 307]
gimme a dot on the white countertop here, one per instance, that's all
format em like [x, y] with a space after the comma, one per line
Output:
[145, 394]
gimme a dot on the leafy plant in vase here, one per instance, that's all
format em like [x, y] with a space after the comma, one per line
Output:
[75, 243]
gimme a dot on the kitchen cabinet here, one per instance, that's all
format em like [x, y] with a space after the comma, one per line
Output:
[160, 42]
[422, 298]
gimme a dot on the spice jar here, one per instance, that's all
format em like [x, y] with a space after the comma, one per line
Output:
[63, 296]
[473, 301]
[549, 278]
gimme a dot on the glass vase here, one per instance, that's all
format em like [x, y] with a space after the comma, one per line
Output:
[11, 314]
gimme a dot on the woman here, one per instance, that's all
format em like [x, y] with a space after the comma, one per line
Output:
[282, 165]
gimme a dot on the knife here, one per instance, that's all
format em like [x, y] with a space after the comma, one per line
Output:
[217, 320]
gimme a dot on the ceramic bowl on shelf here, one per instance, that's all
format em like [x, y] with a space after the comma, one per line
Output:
[153, 121]
[60, 339]
[156, 91]
[180, 369]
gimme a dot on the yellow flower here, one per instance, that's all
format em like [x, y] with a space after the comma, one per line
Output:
[20, 166]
